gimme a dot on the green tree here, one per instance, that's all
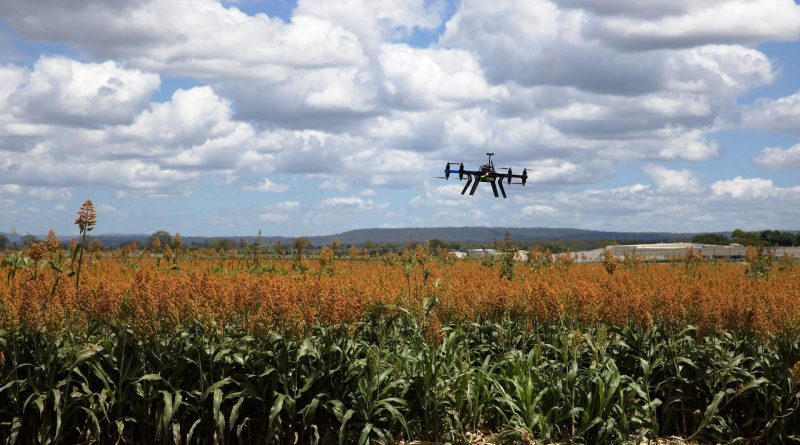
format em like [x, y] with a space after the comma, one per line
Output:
[222, 244]
[164, 238]
[711, 238]
[369, 245]
[746, 238]
[3, 241]
[777, 238]
[29, 239]
[436, 244]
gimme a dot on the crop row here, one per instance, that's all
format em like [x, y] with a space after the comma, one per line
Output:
[386, 378]
[713, 296]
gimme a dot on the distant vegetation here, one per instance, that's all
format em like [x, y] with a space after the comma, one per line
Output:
[764, 238]
[382, 241]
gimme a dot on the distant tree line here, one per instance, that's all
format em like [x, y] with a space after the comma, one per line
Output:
[767, 238]
[772, 238]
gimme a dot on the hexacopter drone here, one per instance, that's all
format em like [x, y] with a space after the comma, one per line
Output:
[486, 173]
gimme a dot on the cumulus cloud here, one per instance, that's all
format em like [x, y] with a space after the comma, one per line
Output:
[10, 189]
[376, 20]
[782, 114]
[61, 90]
[267, 186]
[50, 193]
[358, 202]
[538, 209]
[273, 217]
[440, 78]
[278, 212]
[340, 93]
[673, 181]
[195, 38]
[745, 188]
[779, 157]
[286, 206]
[697, 23]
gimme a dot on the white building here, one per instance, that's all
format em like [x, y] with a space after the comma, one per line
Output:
[479, 253]
[666, 251]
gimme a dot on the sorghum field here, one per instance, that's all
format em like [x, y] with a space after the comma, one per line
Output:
[165, 344]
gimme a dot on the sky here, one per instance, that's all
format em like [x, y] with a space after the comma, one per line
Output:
[314, 117]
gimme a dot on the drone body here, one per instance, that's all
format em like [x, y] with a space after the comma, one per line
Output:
[486, 173]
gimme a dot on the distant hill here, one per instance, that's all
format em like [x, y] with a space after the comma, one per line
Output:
[476, 235]
[400, 236]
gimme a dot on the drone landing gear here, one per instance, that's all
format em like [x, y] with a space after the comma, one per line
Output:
[502, 190]
[469, 181]
[474, 186]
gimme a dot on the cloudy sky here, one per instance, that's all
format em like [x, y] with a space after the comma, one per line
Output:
[318, 116]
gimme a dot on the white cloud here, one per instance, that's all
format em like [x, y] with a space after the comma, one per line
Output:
[199, 38]
[333, 183]
[782, 114]
[349, 201]
[10, 189]
[374, 21]
[777, 158]
[673, 181]
[11, 78]
[745, 188]
[538, 209]
[574, 90]
[424, 78]
[267, 186]
[50, 193]
[726, 21]
[273, 217]
[691, 146]
[64, 91]
[342, 201]
[286, 206]
[441, 196]
[106, 210]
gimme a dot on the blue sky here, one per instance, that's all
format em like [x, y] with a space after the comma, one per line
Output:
[318, 116]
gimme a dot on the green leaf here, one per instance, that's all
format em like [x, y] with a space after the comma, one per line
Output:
[235, 413]
[219, 418]
[275, 410]
[363, 438]
[343, 428]
[191, 431]
[176, 433]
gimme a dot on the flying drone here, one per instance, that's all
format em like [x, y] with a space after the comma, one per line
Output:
[486, 173]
